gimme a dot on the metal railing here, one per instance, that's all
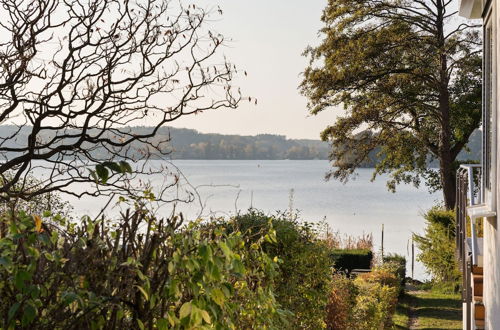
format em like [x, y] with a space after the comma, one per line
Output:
[469, 193]
[474, 187]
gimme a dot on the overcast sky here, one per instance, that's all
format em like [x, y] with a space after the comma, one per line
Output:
[268, 39]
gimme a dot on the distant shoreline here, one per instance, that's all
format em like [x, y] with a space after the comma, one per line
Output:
[271, 160]
[245, 159]
[189, 144]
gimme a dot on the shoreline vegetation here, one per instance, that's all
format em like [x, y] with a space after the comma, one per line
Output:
[189, 144]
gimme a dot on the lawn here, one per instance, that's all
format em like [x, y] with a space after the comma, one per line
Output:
[401, 317]
[428, 310]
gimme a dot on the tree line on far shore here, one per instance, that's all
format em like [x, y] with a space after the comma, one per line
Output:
[190, 144]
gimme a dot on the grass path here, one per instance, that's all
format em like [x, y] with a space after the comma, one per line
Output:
[428, 310]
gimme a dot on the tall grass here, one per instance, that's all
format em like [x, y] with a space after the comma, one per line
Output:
[335, 240]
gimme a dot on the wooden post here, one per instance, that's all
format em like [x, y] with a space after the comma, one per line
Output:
[412, 258]
[382, 248]
[290, 203]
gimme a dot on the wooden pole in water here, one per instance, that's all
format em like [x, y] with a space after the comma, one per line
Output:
[412, 257]
[382, 248]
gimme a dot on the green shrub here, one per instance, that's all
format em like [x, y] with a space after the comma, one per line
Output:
[374, 306]
[376, 299]
[398, 263]
[445, 287]
[367, 302]
[139, 272]
[303, 283]
[437, 245]
[385, 274]
[347, 260]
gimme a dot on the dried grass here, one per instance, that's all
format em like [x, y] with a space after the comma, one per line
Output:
[335, 240]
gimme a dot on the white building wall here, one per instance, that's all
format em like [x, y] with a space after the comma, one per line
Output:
[491, 291]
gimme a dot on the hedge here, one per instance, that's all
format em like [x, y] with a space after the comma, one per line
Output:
[347, 260]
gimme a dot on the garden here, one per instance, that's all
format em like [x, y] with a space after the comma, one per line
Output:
[142, 271]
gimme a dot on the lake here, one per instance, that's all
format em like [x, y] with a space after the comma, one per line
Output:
[356, 208]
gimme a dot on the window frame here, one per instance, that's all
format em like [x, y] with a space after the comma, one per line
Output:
[489, 109]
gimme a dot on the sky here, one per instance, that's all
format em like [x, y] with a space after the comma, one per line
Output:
[268, 38]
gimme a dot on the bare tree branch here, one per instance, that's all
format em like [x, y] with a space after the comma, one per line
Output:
[76, 75]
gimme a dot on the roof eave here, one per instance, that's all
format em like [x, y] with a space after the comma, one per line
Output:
[471, 9]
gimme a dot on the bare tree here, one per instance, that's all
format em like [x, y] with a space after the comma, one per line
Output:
[76, 75]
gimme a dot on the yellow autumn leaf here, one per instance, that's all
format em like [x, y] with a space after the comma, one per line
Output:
[206, 317]
[38, 223]
[144, 293]
[82, 281]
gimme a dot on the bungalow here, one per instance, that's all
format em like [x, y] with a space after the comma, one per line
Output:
[477, 186]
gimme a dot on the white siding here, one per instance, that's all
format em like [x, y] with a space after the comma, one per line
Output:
[491, 292]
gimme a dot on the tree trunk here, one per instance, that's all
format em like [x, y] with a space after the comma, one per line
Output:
[445, 153]
[449, 182]
[446, 158]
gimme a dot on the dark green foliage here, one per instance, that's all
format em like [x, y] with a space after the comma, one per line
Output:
[101, 173]
[303, 283]
[347, 260]
[437, 245]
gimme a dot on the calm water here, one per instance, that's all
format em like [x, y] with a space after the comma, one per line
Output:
[359, 207]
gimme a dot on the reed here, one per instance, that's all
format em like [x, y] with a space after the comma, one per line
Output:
[336, 240]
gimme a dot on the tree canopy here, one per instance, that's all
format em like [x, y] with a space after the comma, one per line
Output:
[407, 77]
